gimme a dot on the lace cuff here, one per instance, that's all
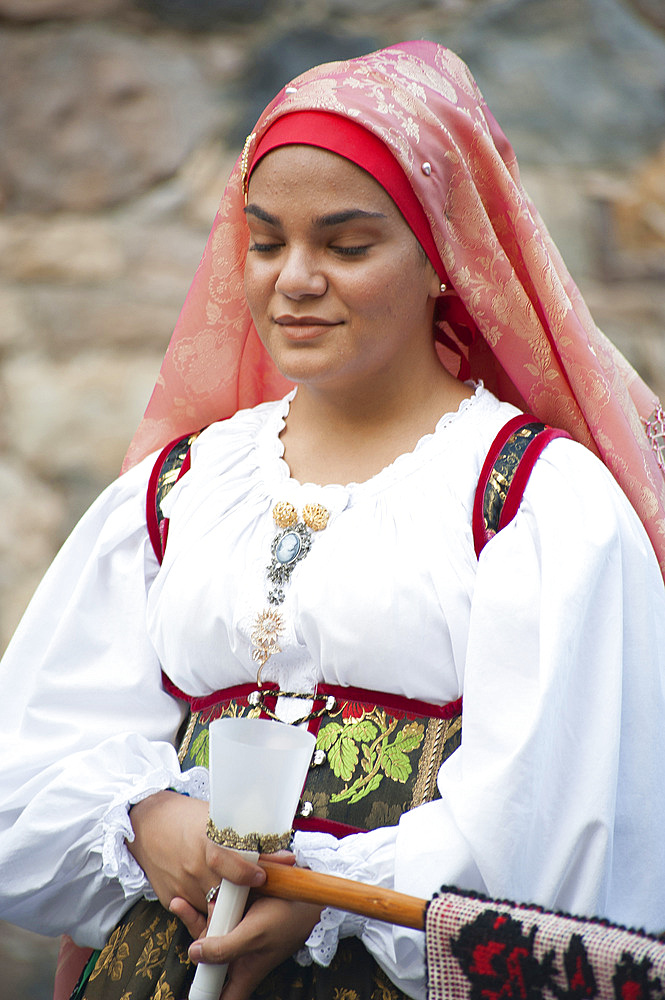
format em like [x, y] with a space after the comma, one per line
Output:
[117, 862]
[354, 857]
[321, 945]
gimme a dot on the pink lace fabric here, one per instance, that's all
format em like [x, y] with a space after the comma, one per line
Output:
[515, 316]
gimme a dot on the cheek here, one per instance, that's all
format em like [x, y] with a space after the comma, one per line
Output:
[390, 292]
[370, 295]
[255, 291]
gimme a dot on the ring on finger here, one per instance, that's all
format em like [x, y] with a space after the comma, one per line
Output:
[211, 894]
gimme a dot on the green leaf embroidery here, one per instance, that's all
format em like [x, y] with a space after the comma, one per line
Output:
[371, 786]
[327, 735]
[396, 764]
[363, 731]
[381, 755]
[394, 761]
[343, 757]
[410, 737]
[199, 749]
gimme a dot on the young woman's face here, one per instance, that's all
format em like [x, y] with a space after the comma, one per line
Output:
[339, 290]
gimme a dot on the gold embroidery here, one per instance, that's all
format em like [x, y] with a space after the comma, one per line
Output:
[500, 483]
[163, 991]
[151, 928]
[434, 755]
[112, 957]
[183, 956]
[149, 960]
[503, 472]
[434, 740]
[186, 740]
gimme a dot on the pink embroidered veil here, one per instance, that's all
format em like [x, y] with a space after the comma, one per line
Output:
[515, 320]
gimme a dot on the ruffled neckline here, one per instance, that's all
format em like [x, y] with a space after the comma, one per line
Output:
[271, 462]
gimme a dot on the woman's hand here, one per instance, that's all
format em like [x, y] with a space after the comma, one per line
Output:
[271, 931]
[180, 861]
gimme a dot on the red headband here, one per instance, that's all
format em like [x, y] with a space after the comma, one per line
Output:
[347, 138]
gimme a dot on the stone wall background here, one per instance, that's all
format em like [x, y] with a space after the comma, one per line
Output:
[119, 123]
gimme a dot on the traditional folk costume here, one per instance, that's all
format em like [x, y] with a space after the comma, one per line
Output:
[385, 617]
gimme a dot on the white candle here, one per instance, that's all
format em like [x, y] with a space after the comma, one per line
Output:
[257, 771]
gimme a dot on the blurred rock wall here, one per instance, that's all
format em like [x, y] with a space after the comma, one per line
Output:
[119, 123]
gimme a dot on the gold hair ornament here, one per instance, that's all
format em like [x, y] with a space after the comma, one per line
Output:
[244, 164]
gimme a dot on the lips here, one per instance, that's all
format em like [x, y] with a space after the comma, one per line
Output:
[303, 327]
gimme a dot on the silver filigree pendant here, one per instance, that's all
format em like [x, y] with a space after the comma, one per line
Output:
[289, 546]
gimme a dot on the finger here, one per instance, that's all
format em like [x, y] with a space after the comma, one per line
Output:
[232, 866]
[280, 857]
[243, 977]
[194, 921]
[244, 938]
[223, 948]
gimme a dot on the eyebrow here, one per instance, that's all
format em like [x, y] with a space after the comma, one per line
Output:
[322, 221]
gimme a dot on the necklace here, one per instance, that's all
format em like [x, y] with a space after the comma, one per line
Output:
[292, 543]
[289, 546]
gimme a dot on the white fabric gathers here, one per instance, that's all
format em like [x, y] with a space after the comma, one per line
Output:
[555, 638]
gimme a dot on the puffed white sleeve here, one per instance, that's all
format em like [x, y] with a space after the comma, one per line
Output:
[87, 728]
[556, 794]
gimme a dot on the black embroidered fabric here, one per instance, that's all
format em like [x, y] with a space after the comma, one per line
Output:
[372, 762]
[146, 959]
[171, 470]
[503, 472]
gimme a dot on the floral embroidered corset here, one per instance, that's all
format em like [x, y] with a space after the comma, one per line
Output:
[377, 755]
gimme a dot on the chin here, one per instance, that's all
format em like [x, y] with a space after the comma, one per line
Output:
[301, 366]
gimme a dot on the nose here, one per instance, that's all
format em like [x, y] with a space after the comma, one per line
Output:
[300, 276]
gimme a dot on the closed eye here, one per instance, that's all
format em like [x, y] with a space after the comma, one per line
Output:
[358, 251]
[264, 247]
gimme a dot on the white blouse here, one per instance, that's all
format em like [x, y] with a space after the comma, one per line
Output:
[555, 637]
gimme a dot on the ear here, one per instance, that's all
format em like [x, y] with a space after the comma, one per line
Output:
[434, 287]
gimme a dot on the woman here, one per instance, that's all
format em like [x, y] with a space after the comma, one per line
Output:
[375, 204]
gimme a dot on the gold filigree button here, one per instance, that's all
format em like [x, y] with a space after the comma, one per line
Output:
[285, 514]
[315, 516]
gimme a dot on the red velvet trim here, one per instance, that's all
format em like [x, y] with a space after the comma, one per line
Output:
[480, 538]
[315, 825]
[151, 502]
[524, 470]
[164, 523]
[198, 704]
[158, 530]
[347, 138]
[393, 702]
